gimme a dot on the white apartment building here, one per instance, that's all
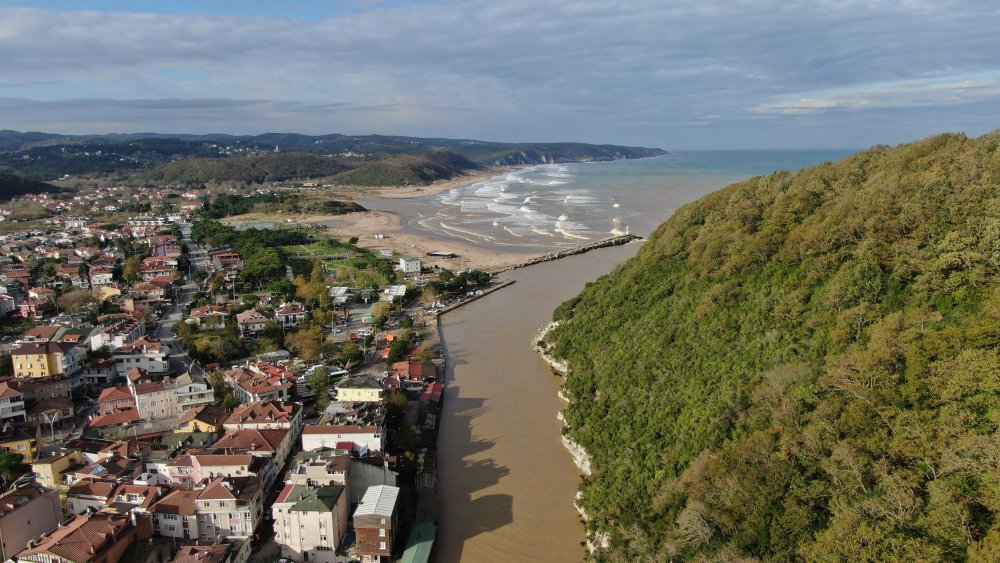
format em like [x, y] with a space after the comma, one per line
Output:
[309, 521]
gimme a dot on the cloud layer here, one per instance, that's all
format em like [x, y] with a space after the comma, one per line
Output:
[674, 74]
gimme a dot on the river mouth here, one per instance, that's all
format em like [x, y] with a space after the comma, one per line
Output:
[506, 483]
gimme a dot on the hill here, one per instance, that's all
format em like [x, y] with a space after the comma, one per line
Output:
[801, 367]
[12, 186]
[408, 170]
[45, 156]
[274, 167]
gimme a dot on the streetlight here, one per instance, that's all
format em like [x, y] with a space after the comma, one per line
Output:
[51, 420]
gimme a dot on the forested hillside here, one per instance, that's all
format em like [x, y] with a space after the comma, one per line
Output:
[12, 186]
[801, 367]
[408, 170]
[275, 167]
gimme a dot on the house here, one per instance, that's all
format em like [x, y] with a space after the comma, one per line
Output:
[89, 494]
[154, 401]
[11, 402]
[7, 304]
[99, 373]
[190, 394]
[376, 521]
[175, 515]
[229, 507]
[209, 466]
[360, 389]
[43, 359]
[310, 520]
[24, 439]
[218, 551]
[252, 384]
[368, 472]
[52, 469]
[116, 399]
[116, 335]
[27, 512]
[261, 415]
[209, 316]
[203, 418]
[100, 538]
[52, 412]
[362, 439]
[147, 353]
[409, 265]
[43, 333]
[251, 323]
[320, 467]
[37, 388]
[135, 496]
[290, 315]
[101, 276]
[275, 443]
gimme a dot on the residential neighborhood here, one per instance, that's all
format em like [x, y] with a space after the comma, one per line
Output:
[170, 392]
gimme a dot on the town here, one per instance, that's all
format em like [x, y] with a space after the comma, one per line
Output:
[176, 389]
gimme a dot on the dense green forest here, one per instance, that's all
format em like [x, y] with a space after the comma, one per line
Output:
[226, 205]
[801, 367]
[408, 170]
[273, 167]
[12, 186]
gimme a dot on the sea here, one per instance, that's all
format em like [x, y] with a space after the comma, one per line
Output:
[556, 206]
[505, 484]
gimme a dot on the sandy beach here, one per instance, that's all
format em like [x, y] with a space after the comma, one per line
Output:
[382, 230]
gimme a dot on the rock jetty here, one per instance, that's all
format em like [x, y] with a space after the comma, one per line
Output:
[603, 243]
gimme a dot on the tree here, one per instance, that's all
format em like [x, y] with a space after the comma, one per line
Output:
[319, 383]
[131, 270]
[11, 466]
[349, 354]
[75, 300]
[307, 344]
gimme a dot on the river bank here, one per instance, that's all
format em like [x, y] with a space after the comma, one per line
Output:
[506, 483]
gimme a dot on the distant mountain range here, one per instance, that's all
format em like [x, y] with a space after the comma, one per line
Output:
[361, 159]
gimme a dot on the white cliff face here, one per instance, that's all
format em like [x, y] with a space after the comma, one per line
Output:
[580, 456]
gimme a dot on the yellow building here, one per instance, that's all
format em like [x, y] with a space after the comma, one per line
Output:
[206, 418]
[360, 389]
[42, 359]
[20, 439]
[50, 470]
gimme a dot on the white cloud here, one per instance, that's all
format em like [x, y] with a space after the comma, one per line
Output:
[904, 94]
[514, 69]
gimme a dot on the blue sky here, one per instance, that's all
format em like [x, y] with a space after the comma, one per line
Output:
[673, 74]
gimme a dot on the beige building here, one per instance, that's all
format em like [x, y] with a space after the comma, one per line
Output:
[361, 390]
[309, 521]
[51, 470]
[229, 508]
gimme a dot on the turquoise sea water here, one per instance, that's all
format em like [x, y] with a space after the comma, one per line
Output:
[564, 205]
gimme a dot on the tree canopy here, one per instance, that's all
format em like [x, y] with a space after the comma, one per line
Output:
[801, 366]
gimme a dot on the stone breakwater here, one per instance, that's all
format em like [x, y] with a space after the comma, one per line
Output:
[603, 243]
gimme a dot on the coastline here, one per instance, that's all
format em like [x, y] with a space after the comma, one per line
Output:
[384, 230]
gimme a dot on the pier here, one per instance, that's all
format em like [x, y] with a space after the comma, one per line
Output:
[603, 243]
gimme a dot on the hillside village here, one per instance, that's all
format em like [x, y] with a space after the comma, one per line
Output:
[173, 389]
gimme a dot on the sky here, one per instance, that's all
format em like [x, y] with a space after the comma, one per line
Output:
[665, 73]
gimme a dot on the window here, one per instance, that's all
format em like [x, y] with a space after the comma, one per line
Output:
[381, 532]
[381, 545]
[22, 447]
[322, 538]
